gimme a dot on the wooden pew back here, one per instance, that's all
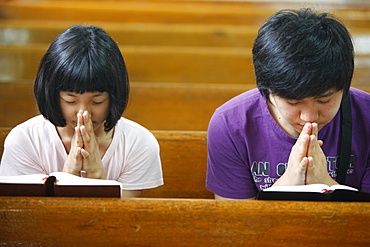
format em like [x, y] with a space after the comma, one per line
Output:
[165, 41]
[150, 63]
[208, 12]
[157, 106]
[3, 133]
[17, 103]
[156, 222]
[166, 64]
[184, 160]
[31, 32]
[184, 163]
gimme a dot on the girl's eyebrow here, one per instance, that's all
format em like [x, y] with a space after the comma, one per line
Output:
[97, 94]
[70, 94]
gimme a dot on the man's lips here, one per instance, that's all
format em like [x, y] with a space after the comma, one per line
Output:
[300, 127]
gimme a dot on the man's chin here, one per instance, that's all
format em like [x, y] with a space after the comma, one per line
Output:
[299, 128]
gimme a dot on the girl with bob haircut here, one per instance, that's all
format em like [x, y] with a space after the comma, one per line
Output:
[82, 90]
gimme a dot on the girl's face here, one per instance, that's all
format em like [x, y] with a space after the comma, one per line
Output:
[96, 103]
[292, 115]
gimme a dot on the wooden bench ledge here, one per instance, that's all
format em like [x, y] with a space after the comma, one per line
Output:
[143, 222]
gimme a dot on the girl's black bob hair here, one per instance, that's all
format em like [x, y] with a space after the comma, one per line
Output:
[82, 59]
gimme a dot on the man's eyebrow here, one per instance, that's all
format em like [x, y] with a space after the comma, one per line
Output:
[327, 94]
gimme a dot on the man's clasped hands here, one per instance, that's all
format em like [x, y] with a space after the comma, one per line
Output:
[307, 162]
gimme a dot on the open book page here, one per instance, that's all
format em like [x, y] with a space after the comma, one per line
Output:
[58, 184]
[70, 185]
[320, 188]
[63, 178]
[24, 179]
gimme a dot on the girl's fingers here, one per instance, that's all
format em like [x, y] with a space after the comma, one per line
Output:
[86, 116]
[79, 118]
[84, 153]
[79, 140]
[87, 122]
[85, 137]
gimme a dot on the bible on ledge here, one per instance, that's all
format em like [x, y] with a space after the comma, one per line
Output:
[58, 184]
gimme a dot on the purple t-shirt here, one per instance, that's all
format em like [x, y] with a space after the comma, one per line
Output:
[248, 151]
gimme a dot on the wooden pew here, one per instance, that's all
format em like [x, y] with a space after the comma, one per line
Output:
[165, 64]
[150, 63]
[209, 42]
[17, 103]
[193, 62]
[157, 106]
[184, 163]
[184, 159]
[31, 32]
[178, 106]
[3, 133]
[157, 222]
[207, 12]
[132, 11]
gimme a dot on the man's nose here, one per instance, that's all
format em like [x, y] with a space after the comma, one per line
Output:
[309, 115]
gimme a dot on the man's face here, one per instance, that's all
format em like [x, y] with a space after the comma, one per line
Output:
[292, 115]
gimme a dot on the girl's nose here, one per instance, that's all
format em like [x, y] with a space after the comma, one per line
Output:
[84, 107]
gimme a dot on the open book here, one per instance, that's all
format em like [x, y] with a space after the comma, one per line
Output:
[319, 188]
[58, 184]
[313, 192]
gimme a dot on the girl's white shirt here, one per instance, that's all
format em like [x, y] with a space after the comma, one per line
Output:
[132, 158]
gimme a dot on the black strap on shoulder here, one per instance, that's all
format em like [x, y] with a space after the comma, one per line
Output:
[345, 141]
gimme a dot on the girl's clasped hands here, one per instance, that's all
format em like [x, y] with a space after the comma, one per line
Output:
[84, 154]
